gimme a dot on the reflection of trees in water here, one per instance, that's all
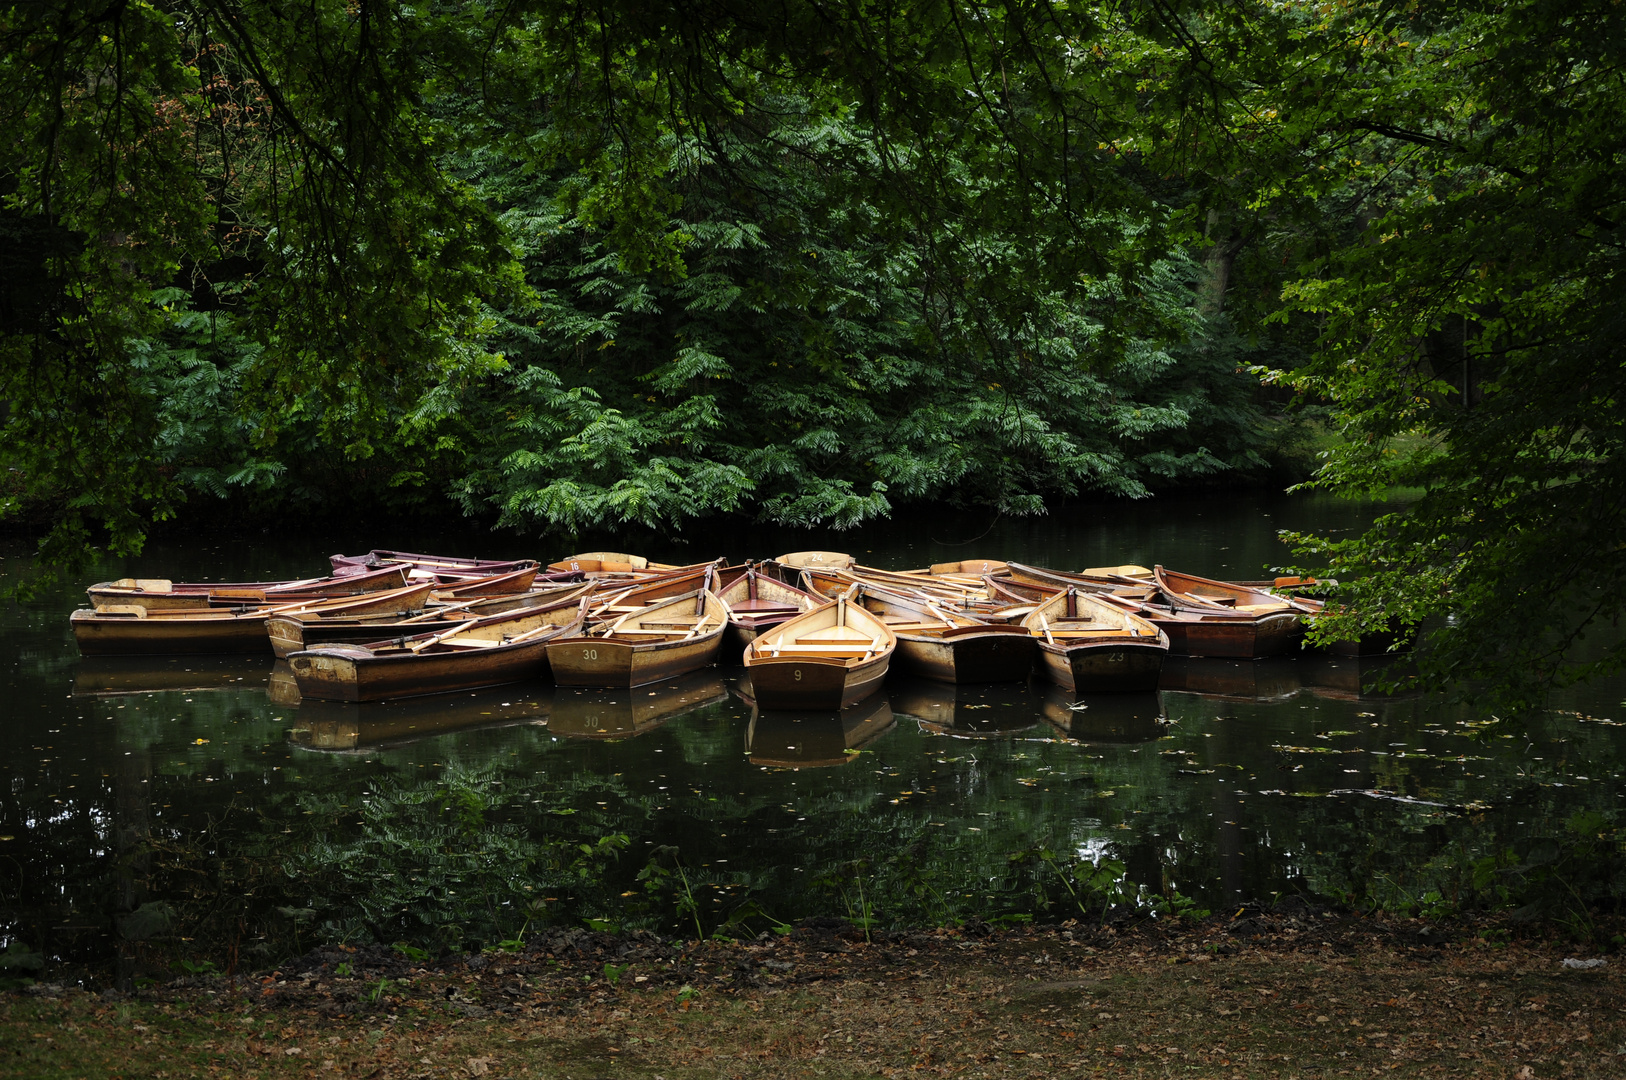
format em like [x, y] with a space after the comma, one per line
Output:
[926, 825]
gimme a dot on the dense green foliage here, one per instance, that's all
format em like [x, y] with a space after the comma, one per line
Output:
[581, 269]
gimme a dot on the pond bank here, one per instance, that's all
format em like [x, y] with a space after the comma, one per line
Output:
[1293, 991]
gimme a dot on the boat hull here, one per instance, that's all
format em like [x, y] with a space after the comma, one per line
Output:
[341, 673]
[813, 682]
[257, 594]
[998, 656]
[1104, 667]
[1233, 638]
[596, 661]
[107, 635]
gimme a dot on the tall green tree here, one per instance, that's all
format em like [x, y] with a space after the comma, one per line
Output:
[1444, 183]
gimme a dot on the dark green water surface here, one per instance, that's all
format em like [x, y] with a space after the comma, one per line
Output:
[191, 805]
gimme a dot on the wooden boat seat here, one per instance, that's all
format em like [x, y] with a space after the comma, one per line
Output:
[833, 651]
[906, 626]
[470, 643]
[763, 606]
[629, 632]
[135, 611]
[832, 639]
[1103, 632]
[1262, 608]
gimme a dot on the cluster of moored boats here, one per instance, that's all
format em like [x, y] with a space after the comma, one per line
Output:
[815, 629]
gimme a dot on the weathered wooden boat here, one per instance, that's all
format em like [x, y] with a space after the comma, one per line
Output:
[1057, 580]
[948, 593]
[514, 581]
[1205, 594]
[611, 601]
[119, 676]
[489, 651]
[605, 562]
[350, 727]
[119, 630]
[131, 629]
[157, 594]
[304, 628]
[801, 739]
[1234, 620]
[448, 565]
[823, 560]
[1088, 644]
[596, 713]
[967, 712]
[756, 603]
[1106, 718]
[661, 641]
[1194, 630]
[969, 568]
[936, 643]
[829, 658]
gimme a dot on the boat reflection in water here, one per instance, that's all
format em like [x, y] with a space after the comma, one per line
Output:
[283, 688]
[583, 713]
[968, 711]
[1271, 679]
[803, 740]
[115, 676]
[1348, 678]
[348, 726]
[1106, 718]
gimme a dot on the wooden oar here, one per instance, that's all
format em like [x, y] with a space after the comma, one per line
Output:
[438, 638]
[1044, 624]
[531, 633]
[438, 612]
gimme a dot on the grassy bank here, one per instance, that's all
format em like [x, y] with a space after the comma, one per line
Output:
[1262, 995]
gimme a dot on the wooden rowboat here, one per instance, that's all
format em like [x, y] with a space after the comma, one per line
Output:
[491, 651]
[612, 601]
[1087, 581]
[972, 568]
[445, 565]
[1088, 644]
[305, 628]
[1193, 629]
[824, 560]
[131, 629]
[157, 594]
[514, 581]
[960, 595]
[935, 643]
[756, 603]
[830, 658]
[1207, 594]
[661, 641]
[1218, 618]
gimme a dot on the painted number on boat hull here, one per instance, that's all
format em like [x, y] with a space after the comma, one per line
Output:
[798, 673]
[589, 654]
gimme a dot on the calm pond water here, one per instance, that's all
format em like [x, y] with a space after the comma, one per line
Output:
[193, 804]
